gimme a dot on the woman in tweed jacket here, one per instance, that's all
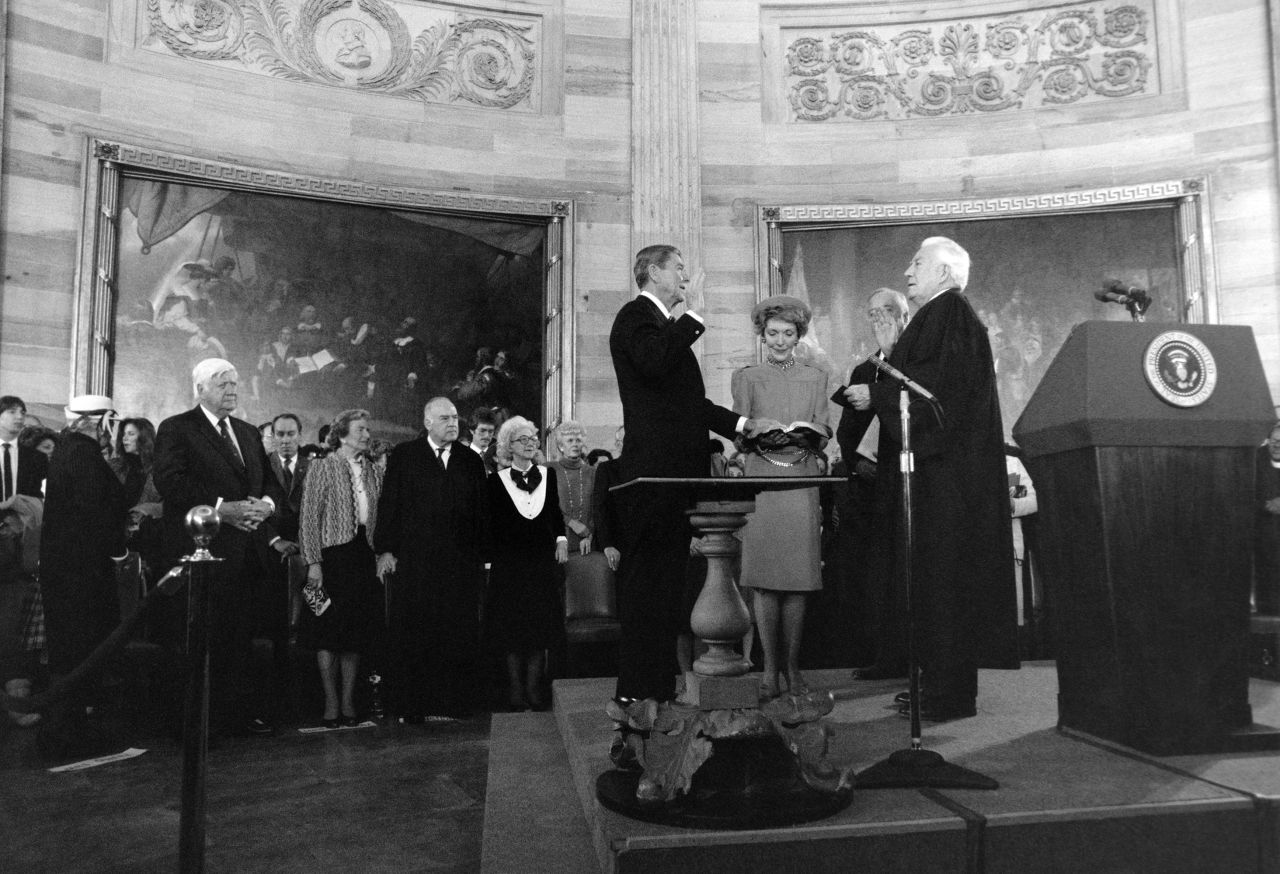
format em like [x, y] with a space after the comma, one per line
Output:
[339, 511]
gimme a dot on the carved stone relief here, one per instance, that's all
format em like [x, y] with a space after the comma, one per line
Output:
[434, 54]
[1052, 57]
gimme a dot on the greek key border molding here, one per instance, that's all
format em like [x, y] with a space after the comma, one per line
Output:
[993, 207]
[240, 176]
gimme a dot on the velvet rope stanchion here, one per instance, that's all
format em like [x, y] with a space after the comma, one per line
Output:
[98, 658]
[202, 524]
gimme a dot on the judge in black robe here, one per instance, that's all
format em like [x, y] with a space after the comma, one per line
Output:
[432, 532]
[962, 578]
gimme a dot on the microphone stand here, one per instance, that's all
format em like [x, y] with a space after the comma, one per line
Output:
[915, 766]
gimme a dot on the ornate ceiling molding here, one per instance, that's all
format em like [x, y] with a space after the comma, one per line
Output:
[420, 51]
[899, 69]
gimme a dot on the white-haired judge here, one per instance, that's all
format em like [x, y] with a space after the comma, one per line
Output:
[962, 585]
[208, 456]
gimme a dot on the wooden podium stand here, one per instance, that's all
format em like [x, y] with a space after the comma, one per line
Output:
[1146, 527]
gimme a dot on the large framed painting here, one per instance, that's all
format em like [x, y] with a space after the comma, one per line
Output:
[325, 294]
[1038, 263]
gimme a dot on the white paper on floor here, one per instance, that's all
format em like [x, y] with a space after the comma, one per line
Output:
[130, 753]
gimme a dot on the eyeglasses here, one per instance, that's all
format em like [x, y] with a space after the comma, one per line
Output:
[526, 440]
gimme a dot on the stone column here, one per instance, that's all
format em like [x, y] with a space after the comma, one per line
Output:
[666, 199]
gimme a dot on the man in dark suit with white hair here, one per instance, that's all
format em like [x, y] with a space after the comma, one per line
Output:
[207, 456]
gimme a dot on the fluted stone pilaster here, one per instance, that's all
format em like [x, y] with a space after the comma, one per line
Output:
[666, 204]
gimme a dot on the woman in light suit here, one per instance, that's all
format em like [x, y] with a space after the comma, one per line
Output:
[339, 512]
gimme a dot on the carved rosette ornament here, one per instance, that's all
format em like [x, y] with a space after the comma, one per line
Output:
[987, 64]
[369, 45]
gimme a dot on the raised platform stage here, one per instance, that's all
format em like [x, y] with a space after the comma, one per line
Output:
[1066, 803]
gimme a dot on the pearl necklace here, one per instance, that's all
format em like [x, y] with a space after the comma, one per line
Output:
[783, 365]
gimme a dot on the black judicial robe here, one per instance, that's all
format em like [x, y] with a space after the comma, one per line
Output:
[435, 522]
[84, 521]
[962, 561]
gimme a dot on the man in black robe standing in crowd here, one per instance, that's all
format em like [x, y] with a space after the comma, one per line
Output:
[962, 579]
[432, 534]
[666, 416]
[868, 553]
[82, 541]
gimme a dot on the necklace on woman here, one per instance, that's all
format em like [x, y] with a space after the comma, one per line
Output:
[784, 365]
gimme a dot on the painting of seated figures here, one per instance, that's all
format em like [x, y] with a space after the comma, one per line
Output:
[324, 306]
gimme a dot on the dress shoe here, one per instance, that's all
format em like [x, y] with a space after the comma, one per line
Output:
[259, 727]
[330, 723]
[940, 713]
[903, 698]
[878, 672]
[350, 721]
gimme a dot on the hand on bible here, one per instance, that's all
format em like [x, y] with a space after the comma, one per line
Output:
[756, 427]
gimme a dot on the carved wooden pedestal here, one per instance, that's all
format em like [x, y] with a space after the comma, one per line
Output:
[718, 757]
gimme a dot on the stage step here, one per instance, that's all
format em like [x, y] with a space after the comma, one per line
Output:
[533, 821]
[1064, 803]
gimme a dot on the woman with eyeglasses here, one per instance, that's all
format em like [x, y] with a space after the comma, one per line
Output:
[523, 616]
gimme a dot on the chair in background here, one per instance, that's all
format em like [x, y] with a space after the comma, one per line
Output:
[590, 610]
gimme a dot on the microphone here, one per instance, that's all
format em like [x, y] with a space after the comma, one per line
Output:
[1114, 291]
[888, 369]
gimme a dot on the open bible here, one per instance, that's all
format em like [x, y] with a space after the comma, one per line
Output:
[807, 435]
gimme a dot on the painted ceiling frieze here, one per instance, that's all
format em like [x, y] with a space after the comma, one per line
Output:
[434, 54]
[1064, 55]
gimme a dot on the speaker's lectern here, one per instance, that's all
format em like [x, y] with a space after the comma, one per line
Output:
[1140, 440]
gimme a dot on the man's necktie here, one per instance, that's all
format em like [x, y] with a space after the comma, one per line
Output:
[288, 476]
[8, 474]
[226, 435]
[440, 457]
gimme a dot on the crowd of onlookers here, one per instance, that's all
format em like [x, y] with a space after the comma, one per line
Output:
[312, 590]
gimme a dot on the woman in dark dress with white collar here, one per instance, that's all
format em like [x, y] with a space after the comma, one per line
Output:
[524, 614]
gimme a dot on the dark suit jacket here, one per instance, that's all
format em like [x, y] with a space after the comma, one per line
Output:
[854, 423]
[664, 404]
[33, 467]
[194, 465]
[288, 513]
